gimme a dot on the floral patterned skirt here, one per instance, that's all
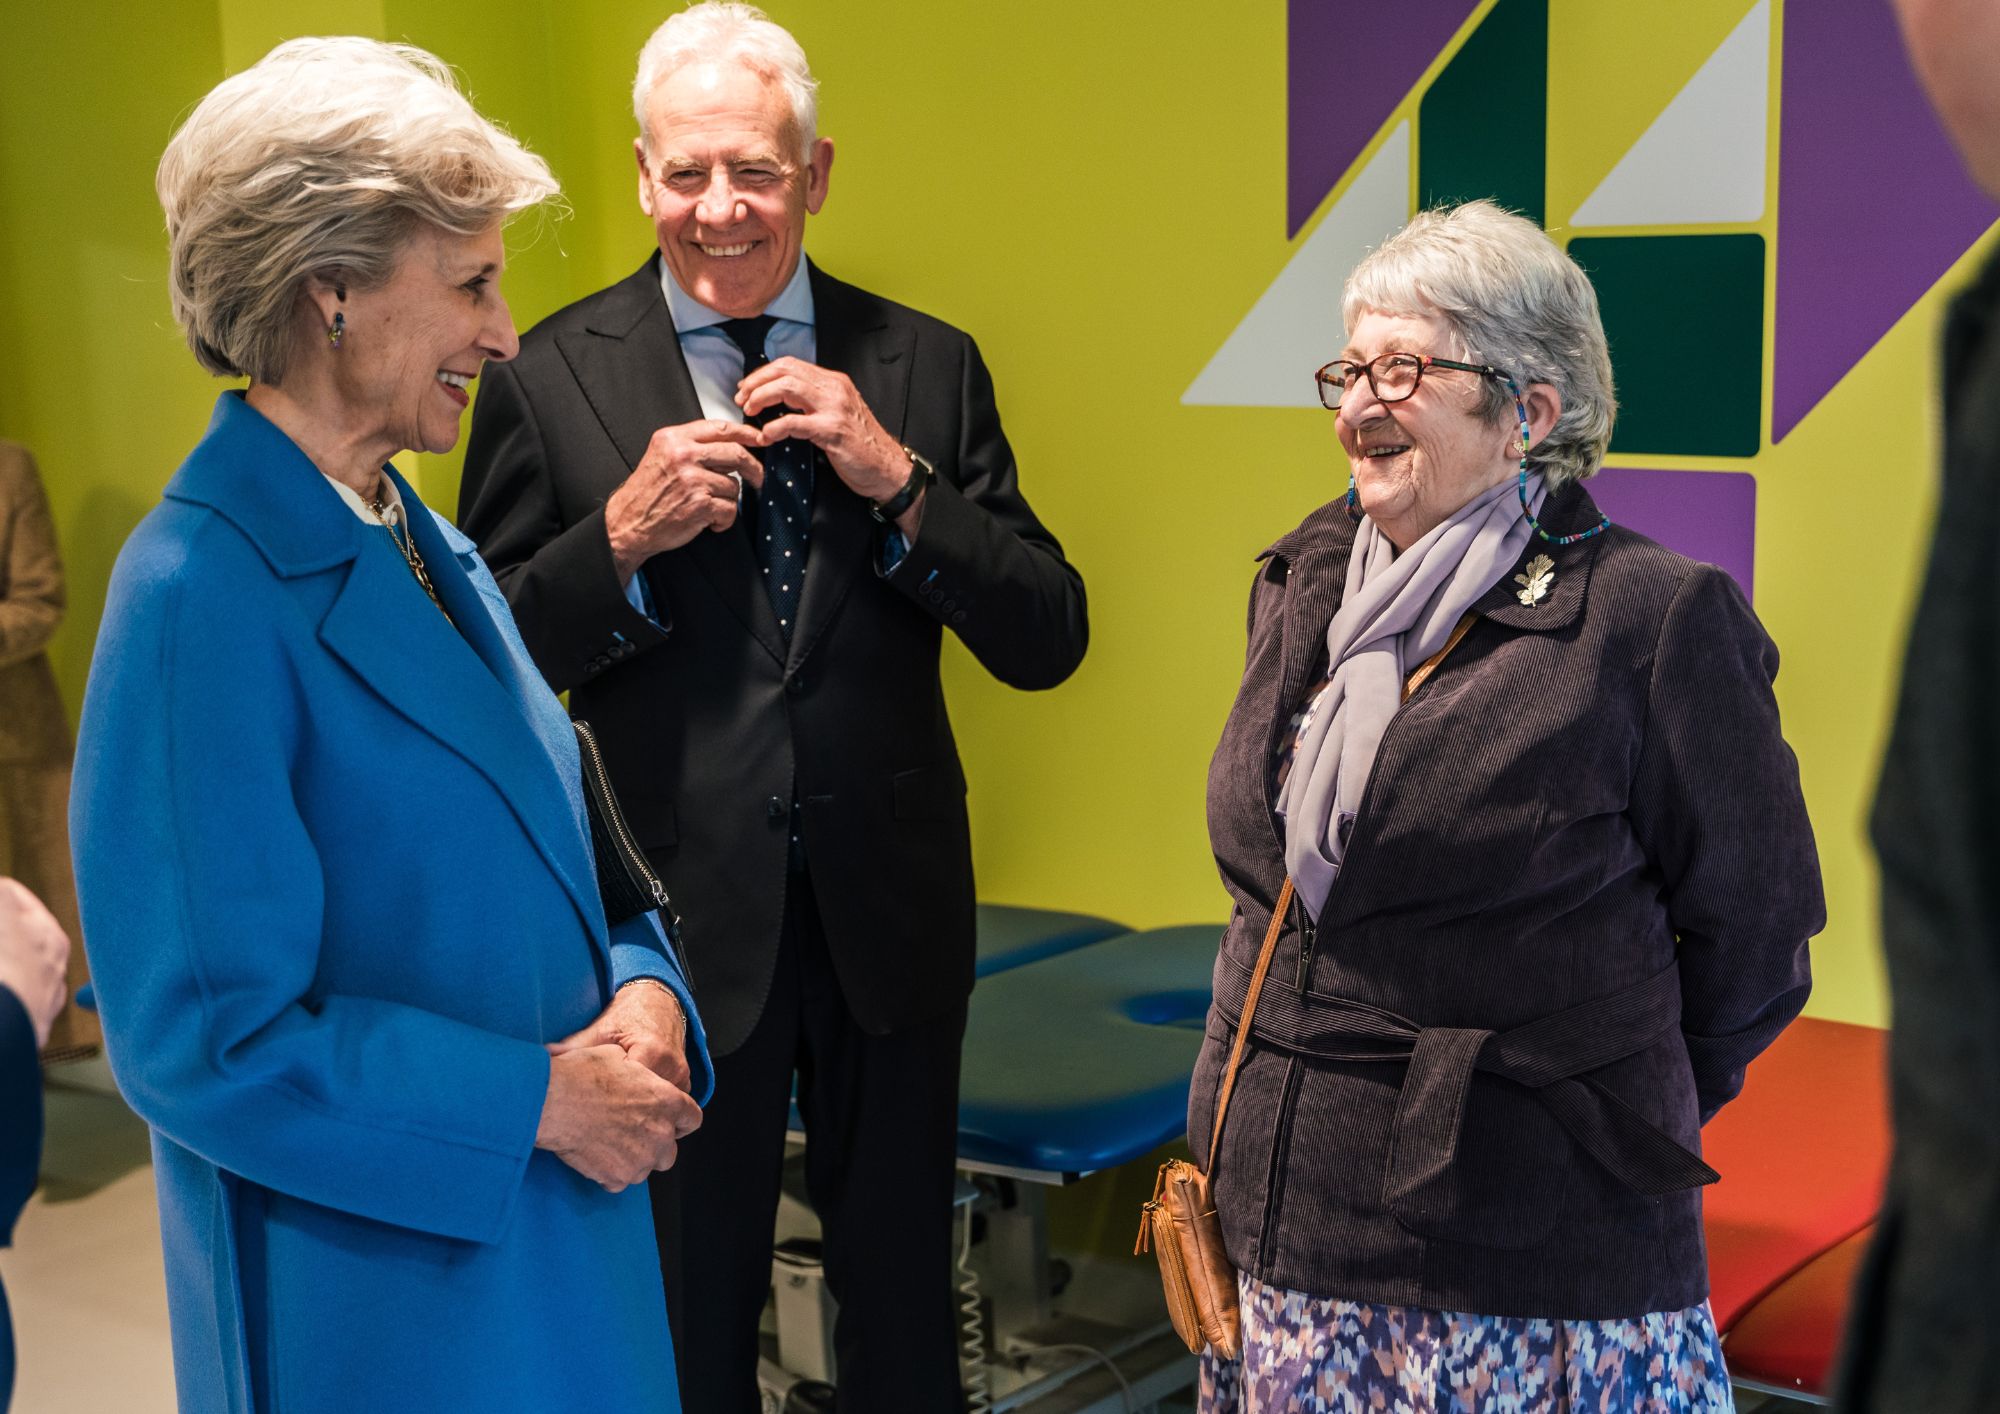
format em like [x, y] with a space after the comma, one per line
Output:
[1304, 1355]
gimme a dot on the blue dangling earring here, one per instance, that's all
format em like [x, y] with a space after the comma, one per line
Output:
[339, 328]
[1521, 482]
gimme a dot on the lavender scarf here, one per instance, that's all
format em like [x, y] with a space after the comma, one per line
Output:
[1397, 610]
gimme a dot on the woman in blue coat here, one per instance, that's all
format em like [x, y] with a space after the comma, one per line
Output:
[331, 841]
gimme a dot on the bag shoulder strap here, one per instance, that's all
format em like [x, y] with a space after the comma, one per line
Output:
[1284, 902]
[1243, 1025]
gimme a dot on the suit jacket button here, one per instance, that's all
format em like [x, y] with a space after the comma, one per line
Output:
[776, 808]
[795, 684]
[959, 617]
[950, 604]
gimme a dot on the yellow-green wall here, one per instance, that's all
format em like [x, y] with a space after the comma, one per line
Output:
[1097, 192]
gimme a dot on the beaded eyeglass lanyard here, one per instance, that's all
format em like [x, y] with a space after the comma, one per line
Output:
[1521, 482]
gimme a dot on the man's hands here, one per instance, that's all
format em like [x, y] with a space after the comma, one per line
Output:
[34, 957]
[681, 487]
[618, 1106]
[828, 411]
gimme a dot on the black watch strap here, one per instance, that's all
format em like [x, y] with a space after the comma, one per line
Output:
[922, 474]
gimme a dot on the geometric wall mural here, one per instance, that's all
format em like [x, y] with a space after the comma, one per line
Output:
[1684, 316]
[1474, 116]
[1702, 161]
[1395, 108]
[1874, 204]
[1348, 67]
[1709, 516]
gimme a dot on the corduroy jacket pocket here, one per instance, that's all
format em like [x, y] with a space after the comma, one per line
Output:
[1509, 1178]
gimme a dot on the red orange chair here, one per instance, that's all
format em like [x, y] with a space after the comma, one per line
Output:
[1803, 1153]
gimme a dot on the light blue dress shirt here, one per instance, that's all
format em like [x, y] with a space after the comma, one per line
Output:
[714, 361]
[715, 364]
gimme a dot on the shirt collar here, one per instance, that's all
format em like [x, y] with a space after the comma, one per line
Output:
[794, 302]
[392, 501]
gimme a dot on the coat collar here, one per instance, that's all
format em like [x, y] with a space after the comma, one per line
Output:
[256, 478]
[1567, 512]
[248, 472]
[1315, 555]
[627, 360]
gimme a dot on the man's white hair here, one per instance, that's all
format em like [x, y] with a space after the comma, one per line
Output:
[1512, 298]
[720, 32]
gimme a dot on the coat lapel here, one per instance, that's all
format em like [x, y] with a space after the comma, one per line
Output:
[629, 365]
[460, 690]
[854, 337]
[1315, 556]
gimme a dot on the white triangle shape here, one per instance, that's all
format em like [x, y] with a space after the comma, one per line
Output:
[1294, 327]
[1702, 160]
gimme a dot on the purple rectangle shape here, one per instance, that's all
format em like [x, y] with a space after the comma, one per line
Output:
[1709, 516]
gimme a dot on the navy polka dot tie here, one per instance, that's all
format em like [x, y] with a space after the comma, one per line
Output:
[784, 508]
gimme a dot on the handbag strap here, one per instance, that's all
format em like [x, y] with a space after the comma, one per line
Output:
[1243, 1026]
[1284, 902]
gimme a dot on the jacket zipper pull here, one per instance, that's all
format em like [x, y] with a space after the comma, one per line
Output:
[1308, 935]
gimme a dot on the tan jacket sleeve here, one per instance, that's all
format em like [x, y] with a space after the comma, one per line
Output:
[31, 575]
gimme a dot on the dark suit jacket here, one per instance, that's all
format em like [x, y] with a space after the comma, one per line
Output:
[710, 722]
[20, 1145]
[1575, 903]
[1926, 1307]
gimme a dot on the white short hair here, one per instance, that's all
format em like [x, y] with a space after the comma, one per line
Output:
[1511, 298]
[324, 157]
[722, 31]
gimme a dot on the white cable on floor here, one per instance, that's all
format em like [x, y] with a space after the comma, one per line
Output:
[1124, 1385]
[979, 1383]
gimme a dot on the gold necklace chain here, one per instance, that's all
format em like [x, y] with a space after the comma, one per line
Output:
[407, 545]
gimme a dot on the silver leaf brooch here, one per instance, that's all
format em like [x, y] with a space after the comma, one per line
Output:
[1535, 581]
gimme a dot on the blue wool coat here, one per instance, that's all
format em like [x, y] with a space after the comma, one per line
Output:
[338, 889]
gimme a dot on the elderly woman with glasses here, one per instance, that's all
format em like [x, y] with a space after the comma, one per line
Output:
[354, 965]
[1512, 780]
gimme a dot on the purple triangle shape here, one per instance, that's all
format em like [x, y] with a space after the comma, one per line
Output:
[1873, 204]
[1347, 65]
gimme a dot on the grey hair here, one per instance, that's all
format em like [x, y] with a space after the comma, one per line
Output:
[324, 157]
[718, 31]
[1511, 298]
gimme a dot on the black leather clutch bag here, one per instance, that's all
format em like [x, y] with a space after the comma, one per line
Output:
[625, 877]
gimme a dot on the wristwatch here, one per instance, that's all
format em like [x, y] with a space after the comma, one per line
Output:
[922, 474]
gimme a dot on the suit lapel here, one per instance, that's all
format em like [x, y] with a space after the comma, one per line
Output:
[854, 337]
[629, 365]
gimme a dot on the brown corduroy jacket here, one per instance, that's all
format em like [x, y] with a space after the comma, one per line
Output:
[1574, 905]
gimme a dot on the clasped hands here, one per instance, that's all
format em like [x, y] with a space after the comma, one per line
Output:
[618, 1103]
[686, 483]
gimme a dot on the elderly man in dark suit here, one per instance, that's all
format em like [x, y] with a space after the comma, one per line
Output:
[735, 504]
[1926, 1304]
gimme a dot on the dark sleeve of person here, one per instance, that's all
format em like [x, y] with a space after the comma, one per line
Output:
[20, 1112]
[983, 565]
[560, 581]
[1718, 806]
